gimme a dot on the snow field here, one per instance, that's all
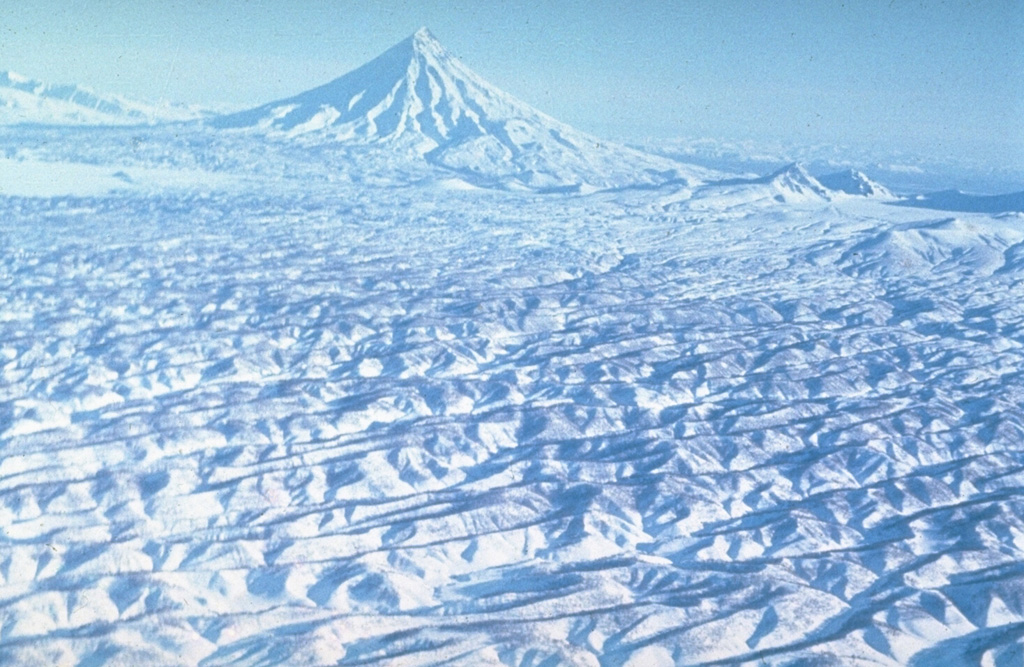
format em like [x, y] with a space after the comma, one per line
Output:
[494, 428]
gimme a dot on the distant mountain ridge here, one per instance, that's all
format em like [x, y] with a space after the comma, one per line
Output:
[900, 172]
[955, 200]
[418, 98]
[28, 101]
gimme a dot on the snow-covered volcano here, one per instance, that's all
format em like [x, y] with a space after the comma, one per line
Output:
[854, 182]
[418, 98]
[789, 185]
[27, 101]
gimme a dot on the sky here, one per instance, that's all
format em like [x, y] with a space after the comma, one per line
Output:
[943, 79]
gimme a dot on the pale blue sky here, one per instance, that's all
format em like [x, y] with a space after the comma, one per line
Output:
[937, 78]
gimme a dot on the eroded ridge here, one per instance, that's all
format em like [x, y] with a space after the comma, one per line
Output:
[532, 430]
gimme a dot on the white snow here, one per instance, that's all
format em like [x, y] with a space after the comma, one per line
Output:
[38, 178]
[271, 400]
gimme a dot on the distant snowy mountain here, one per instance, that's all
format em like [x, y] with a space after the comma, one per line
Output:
[793, 182]
[900, 172]
[27, 101]
[419, 99]
[854, 182]
[790, 185]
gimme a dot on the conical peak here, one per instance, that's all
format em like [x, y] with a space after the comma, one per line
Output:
[8, 75]
[420, 99]
[423, 34]
[424, 40]
[793, 169]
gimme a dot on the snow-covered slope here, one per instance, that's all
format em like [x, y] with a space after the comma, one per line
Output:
[793, 183]
[320, 422]
[789, 185]
[854, 182]
[949, 245]
[419, 99]
[27, 101]
[264, 403]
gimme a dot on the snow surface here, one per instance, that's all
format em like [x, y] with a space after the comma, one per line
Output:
[269, 401]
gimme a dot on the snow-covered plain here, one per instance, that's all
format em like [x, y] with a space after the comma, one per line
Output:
[268, 402]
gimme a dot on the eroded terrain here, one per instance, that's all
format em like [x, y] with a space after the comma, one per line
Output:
[366, 425]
